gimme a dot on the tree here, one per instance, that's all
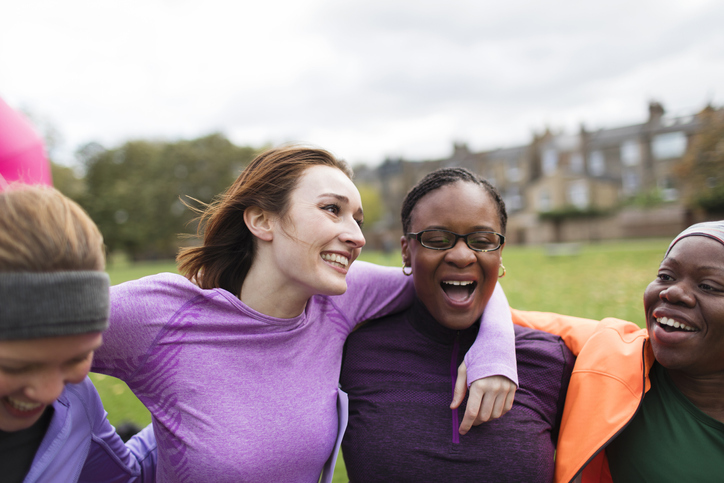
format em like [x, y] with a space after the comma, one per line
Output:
[703, 165]
[66, 181]
[135, 192]
[371, 203]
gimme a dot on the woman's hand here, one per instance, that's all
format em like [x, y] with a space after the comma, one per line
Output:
[490, 398]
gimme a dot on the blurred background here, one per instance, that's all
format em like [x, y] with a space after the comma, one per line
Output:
[596, 121]
[600, 123]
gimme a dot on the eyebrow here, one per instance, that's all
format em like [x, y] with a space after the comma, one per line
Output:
[475, 228]
[343, 199]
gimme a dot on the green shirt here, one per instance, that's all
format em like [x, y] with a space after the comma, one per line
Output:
[669, 439]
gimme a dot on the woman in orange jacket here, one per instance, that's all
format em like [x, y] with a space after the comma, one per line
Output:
[648, 404]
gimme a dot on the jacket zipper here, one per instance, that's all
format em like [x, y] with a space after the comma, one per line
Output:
[638, 408]
[453, 378]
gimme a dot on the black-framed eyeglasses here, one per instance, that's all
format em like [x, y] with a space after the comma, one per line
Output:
[479, 241]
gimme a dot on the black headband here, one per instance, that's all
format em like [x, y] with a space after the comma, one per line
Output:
[51, 304]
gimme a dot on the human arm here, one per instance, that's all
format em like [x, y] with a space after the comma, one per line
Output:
[139, 311]
[374, 291]
[575, 331]
[109, 459]
[489, 367]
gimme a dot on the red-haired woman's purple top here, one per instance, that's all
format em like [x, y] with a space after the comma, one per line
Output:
[236, 395]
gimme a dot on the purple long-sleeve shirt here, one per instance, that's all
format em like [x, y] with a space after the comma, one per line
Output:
[237, 395]
[81, 445]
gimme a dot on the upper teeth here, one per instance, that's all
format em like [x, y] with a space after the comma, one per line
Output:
[333, 257]
[23, 406]
[456, 282]
[673, 323]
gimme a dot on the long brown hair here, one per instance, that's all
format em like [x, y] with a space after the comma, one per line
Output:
[228, 249]
[41, 230]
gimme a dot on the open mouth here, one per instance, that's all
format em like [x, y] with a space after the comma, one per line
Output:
[336, 260]
[458, 290]
[671, 325]
[22, 406]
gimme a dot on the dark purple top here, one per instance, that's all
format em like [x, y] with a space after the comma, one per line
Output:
[400, 376]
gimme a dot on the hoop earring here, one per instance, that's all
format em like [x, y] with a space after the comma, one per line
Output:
[406, 273]
[501, 275]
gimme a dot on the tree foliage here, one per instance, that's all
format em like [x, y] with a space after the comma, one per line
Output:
[134, 193]
[703, 166]
[372, 203]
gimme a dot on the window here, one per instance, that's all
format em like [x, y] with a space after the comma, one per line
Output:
[669, 145]
[544, 201]
[576, 163]
[668, 189]
[513, 172]
[596, 163]
[550, 161]
[513, 200]
[578, 194]
[630, 182]
[630, 153]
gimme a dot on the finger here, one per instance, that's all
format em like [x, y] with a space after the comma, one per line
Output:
[510, 398]
[471, 409]
[498, 406]
[461, 387]
[486, 408]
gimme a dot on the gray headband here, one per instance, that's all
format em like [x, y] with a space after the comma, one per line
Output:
[709, 229]
[52, 304]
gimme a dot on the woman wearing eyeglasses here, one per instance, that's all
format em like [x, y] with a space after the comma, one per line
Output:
[405, 364]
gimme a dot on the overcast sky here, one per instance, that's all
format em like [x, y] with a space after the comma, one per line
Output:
[365, 79]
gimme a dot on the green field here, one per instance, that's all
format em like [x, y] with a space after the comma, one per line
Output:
[601, 280]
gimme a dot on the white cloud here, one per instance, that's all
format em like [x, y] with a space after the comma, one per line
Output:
[365, 79]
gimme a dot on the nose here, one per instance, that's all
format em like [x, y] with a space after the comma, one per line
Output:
[45, 386]
[352, 235]
[460, 254]
[677, 294]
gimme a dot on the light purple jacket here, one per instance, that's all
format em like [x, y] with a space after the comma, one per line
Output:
[81, 445]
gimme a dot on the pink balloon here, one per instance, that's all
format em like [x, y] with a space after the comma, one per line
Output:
[22, 154]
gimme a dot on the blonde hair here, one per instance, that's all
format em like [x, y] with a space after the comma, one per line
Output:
[41, 230]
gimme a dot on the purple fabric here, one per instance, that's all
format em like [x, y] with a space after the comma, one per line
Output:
[81, 445]
[497, 357]
[453, 379]
[236, 395]
[397, 373]
[710, 229]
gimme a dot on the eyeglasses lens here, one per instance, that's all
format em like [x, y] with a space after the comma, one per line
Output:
[476, 241]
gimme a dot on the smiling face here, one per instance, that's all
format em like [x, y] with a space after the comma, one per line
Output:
[34, 372]
[456, 284]
[320, 235]
[685, 308]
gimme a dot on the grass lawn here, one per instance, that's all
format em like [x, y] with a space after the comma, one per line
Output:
[601, 280]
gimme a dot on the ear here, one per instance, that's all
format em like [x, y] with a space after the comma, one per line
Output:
[260, 223]
[406, 255]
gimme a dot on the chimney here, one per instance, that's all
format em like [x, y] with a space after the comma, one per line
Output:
[656, 112]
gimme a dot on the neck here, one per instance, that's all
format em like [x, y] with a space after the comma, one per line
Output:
[270, 294]
[705, 392]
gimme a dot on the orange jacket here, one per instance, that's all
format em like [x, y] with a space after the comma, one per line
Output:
[608, 383]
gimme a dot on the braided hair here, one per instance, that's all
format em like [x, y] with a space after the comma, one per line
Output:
[442, 177]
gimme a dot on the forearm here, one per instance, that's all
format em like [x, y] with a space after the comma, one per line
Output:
[493, 353]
